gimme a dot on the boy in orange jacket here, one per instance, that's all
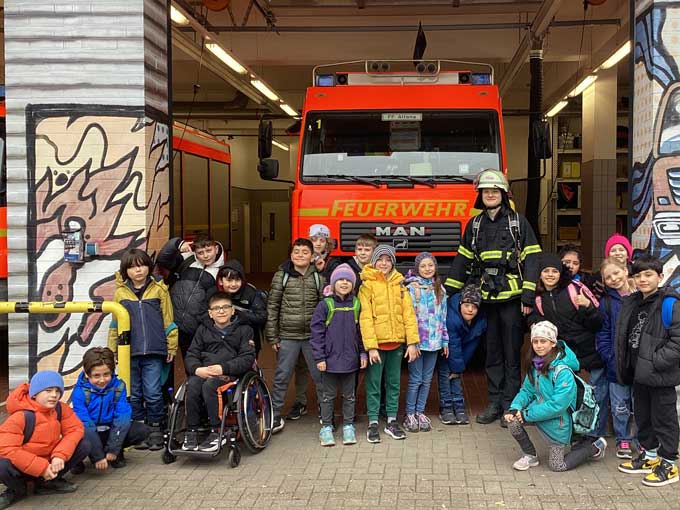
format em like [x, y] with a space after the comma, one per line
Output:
[40, 441]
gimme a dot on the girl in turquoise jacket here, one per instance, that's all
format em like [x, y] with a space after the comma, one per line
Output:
[546, 398]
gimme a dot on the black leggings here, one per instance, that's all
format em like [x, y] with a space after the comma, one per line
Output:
[558, 460]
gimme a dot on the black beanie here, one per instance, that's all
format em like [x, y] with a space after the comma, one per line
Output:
[549, 260]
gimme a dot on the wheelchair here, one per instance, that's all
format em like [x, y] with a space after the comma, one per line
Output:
[247, 415]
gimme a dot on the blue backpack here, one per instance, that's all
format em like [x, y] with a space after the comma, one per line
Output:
[584, 415]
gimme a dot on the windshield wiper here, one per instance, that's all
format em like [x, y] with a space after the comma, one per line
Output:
[454, 178]
[344, 177]
[427, 181]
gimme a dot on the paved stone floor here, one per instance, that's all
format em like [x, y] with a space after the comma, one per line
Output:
[452, 467]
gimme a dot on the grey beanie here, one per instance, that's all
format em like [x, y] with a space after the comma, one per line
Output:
[384, 249]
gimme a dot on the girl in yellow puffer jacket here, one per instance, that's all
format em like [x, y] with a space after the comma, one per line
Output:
[388, 321]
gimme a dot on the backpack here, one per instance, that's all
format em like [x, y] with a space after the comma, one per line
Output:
[667, 311]
[29, 422]
[573, 289]
[317, 281]
[584, 415]
[330, 304]
[117, 392]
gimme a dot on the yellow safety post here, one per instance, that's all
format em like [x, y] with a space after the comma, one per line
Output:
[118, 310]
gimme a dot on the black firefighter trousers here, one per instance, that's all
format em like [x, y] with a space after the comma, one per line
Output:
[504, 338]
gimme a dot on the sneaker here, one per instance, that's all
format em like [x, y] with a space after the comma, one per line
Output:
[78, 469]
[526, 462]
[424, 422]
[326, 436]
[349, 435]
[623, 450]
[11, 496]
[664, 473]
[639, 464]
[190, 443]
[297, 411]
[277, 424]
[490, 414]
[372, 434]
[601, 445]
[447, 417]
[411, 423]
[55, 486]
[120, 461]
[393, 430]
[462, 417]
[212, 442]
[155, 440]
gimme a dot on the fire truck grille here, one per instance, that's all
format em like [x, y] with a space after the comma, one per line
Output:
[674, 183]
[414, 236]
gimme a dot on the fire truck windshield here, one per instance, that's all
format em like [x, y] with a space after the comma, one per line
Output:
[429, 146]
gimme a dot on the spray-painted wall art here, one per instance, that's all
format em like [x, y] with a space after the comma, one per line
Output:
[104, 171]
[655, 176]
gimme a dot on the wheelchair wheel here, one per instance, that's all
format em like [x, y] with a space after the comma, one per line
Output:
[177, 424]
[234, 457]
[254, 412]
[168, 458]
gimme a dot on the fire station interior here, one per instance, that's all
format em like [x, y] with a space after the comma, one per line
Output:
[280, 41]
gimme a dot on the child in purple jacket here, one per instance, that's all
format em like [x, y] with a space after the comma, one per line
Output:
[338, 352]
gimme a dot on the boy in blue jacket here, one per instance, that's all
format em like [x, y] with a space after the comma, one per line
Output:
[465, 327]
[100, 401]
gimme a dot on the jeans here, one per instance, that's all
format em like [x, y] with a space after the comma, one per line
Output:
[146, 394]
[289, 352]
[451, 395]
[16, 480]
[137, 433]
[330, 385]
[620, 398]
[598, 379]
[390, 365]
[420, 373]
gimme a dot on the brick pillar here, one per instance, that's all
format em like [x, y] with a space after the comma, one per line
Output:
[87, 147]
[598, 172]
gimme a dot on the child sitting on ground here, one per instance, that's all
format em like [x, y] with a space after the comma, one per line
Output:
[388, 321]
[218, 352]
[466, 326]
[545, 398]
[338, 352]
[42, 439]
[99, 399]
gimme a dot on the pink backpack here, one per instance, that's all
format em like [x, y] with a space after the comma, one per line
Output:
[574, 288]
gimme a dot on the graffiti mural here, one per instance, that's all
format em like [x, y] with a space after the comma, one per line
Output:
[104, 171]
[655, 176]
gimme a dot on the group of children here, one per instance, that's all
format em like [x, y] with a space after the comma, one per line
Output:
[619, 327]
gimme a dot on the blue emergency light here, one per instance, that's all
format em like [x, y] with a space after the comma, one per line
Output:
[325, 80]
[481, 79]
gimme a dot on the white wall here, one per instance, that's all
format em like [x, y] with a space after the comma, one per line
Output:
[244, 164]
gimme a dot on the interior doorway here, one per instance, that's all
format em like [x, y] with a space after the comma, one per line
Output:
[275, 234]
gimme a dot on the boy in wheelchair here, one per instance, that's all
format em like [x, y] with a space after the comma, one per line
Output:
[220, 351]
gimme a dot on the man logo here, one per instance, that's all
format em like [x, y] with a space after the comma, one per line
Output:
[400, 231]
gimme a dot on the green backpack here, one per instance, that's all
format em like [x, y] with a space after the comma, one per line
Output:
[330, 304]
[587, 410]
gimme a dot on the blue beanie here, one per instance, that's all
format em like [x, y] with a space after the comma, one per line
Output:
[43, 380]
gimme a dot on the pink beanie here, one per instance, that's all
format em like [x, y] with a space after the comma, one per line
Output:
[618, 239]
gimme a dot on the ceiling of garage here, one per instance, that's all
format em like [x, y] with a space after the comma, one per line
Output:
[281, 40]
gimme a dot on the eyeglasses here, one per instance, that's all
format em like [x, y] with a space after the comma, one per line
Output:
[221, 308]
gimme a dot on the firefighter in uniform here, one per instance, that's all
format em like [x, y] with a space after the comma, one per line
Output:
[498, 252]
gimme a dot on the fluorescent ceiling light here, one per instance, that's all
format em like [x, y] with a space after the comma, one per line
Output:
[289, 110]
[556, 109]
[264, 89]
[617, 56]
[177, 16]
[220, 53]
[280, 145]
[585, 83]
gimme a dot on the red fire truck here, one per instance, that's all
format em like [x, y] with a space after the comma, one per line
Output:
[391, 150]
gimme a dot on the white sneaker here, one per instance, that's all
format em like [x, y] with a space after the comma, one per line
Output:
[526, 462]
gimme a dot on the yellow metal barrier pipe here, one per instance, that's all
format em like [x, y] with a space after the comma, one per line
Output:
[118, 310]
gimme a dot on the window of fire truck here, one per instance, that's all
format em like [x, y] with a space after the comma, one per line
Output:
[440, 145]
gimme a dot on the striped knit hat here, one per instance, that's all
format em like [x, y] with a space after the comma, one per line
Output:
[383, 249]
[425, 255]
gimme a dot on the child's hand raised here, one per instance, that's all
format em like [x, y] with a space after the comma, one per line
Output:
[321, 365]
[582, 300]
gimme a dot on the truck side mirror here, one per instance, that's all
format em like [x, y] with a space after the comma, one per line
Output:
[540, 134]
[264, 139]
[268, 169]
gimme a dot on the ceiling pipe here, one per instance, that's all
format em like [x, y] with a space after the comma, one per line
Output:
[403, 28]
[544, 17]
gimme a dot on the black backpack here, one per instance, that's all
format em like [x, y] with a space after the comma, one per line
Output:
[29, 422]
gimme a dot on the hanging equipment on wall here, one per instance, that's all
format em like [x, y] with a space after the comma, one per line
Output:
[216, 5]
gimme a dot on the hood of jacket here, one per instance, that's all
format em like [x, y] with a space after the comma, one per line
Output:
[19, 400]
[84, 382]
[568, 358]
[369, 273]
[237, 267]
